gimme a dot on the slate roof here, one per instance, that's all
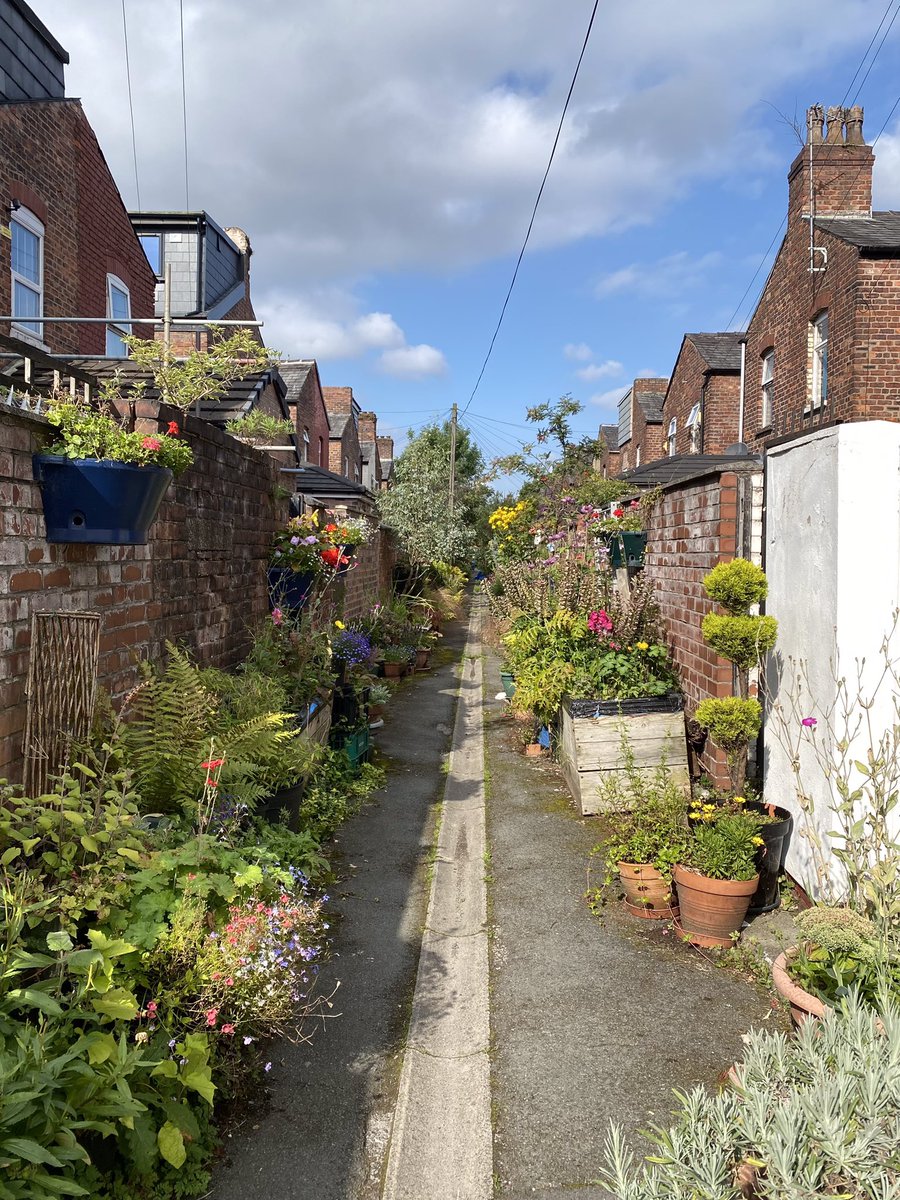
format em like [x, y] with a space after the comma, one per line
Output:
[651, 406]
[368, 450]
[880, 232]
[295, 375]
[720, 351]
[610, 435]
[681, 467]
[338, 423]
[318, 483]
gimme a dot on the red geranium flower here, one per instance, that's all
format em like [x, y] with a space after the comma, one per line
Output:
[151, 443]
[173, 429]
[212, 763]
[332, 556]
[618, 512]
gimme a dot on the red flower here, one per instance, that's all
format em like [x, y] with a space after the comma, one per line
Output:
[618, 512]
[330, 528]
[212, 763]
[151, 443]
[332, 556]
[173, 429]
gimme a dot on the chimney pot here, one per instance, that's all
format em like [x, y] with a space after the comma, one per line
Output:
[835, 120]
[854, 122]
[815, 116]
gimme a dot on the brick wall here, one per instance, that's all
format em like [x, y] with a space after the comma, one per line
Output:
[718, 394]
[199, 582]
[694, 526]
[309, 409]
[370, 579]
[51, 163]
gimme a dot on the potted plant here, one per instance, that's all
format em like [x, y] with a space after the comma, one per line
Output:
[622, 535]
[839, 951]
[396, 660]
[295, 563]
[350, 647]
[100, 482]
[718, 873]
[425, 644]
[379, 697]
[340, 539]
[646, 835]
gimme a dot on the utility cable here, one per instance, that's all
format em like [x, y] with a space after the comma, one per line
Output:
[137, 184]
[187, 201]
[865, 56]
[537, 202]
[875, 55]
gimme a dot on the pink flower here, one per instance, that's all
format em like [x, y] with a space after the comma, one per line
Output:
[212, 1017]
[151, 1008]
[229, 1029]
[277, 616]
[229, 982]
[151, 443]
[809, 722]
[172, 431]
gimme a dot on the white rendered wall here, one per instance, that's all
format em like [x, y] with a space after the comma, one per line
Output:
[833, 564]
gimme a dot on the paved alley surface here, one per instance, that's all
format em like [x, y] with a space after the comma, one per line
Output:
[487, 1060]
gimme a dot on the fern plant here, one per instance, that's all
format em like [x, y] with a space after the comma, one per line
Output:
[176, 725]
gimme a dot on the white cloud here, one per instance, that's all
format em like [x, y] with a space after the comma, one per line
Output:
[387, 138]
[578, 352]
[602, 370]
[886, 176]
[669, 276]
[413, 362]
[610, 399]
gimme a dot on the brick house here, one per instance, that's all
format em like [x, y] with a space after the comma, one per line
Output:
[702, 401]
[307, 406]
[69, 248]
[368, 444]
[639, 437]
[385, 446]
[607, 462]
[344, 453]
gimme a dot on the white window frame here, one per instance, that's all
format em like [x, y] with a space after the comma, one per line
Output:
[766, 388]
[113, 281]
[671, 437]
[693, 424]
[818, 394]
[305, 444]
[637, 457]
[26, 218]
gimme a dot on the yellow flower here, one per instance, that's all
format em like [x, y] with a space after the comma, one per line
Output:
[339, 625]
[740, 800]
[758, 841]
[643, 645]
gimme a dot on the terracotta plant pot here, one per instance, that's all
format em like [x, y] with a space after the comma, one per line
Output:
[712, 910]
[376, 712]
[422, 659]
[803, 1005]
[647, 893]
[534, 750]
[393, 670]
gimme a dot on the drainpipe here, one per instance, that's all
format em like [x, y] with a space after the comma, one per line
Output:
[740, 432]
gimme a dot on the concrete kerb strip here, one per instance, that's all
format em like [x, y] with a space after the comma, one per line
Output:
[441, 1141]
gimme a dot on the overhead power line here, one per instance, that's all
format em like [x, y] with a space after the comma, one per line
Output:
[512, 283]
[137, 184]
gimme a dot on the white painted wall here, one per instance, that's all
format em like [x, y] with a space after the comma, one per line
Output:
[833, 564]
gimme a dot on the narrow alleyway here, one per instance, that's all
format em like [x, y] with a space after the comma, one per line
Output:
[464, 939]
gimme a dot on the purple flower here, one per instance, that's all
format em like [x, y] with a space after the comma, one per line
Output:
[311, 540]
[809, 722]
[295, 541]
[267, 1067]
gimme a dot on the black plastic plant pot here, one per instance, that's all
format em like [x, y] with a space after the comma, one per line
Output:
[284, 805]
[671, 702]
[289, 589]
[776, 836]
[98, 500]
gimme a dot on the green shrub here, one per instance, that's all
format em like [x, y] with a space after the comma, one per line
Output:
[736, 585]
[744, 640]
[730, 720]
[813, 1115]
[726, 848]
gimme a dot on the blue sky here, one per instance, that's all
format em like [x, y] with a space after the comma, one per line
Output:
[384, 157]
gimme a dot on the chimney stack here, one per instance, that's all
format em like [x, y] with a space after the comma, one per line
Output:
[840, 162]
[367, 423]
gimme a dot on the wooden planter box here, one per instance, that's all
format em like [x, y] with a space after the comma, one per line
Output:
[590, 742]
[315, 719]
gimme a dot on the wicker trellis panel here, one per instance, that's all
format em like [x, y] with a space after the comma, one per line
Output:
[62, 686]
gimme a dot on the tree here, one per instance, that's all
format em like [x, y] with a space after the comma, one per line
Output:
[417, 506]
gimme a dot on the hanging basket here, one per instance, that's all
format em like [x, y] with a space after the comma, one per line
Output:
[99, 501]
[289, 590]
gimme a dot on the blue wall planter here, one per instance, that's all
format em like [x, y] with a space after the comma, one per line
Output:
[99, 501]
[289, 589]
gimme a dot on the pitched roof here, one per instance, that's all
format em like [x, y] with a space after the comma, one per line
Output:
[681, 467]
[338, 423]
[881, 231]
[651, 406]
[610, 435]
[318, 483]
[295, 375]
[720, 351]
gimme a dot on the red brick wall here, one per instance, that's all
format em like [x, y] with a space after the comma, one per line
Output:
[693, 383]
[693, 527]
[311, 415]
[199, 582]
[50, 161]
[720, 413]
[370, 579]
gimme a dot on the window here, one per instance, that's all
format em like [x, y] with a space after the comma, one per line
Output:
[118, 306]
[27, 259]
[693, 422]
[820, 360]
[767, 388]
[322, 462]
[637, 457]
[306, 445]
[153, 250]
[670, 440]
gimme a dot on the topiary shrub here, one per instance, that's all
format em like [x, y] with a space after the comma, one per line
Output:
[732, 723]
[741, 639]
[737, 585]
[816, 1115]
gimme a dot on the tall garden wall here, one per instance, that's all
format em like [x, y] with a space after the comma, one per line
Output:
[199, 582]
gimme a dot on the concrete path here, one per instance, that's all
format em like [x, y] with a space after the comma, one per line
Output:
[441, 1138]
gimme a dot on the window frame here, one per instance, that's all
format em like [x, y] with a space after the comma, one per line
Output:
[818, 398]
[113, 281]
[32, 224]
[766, 387]
[671, 437]
[693, 426]
[157, 237]
[305, 442]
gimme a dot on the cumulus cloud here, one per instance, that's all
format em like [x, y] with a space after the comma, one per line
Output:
[886, 177]
[578, 352]
[608, 400]
[413, 362]
[669, 276]
[595, 371]
[387, 138]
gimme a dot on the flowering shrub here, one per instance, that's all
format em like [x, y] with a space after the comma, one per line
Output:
[350, 531]
[629, 519]
[298, 546]
[351, 647]
[85, 432]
